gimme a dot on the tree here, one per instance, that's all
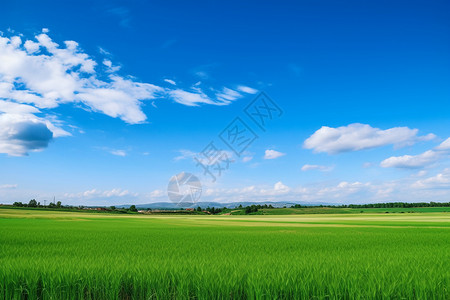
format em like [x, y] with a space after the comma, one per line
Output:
[251, 209]
[18, 204]
[113, 207]
[199, 209]
[32, 203]
[58, 204]
[133, 208]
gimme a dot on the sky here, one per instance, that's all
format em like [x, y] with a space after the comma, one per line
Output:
[103, 102]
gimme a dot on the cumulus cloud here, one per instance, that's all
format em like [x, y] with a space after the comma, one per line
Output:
[308, 167]
[357, 136]
[244, 193]
[411, 161]
[272, 154]
[341, 192]
[20, 134]
[440, 180]
[38, 74]
[43, 74]
[343, 189]
[422, 160]
[279, 187]
[21, 131]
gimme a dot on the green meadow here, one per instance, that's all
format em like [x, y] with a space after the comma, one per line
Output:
[71, 255]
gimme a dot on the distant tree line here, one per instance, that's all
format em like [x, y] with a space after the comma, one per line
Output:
[211, 210]
[34, 203]
[58, 205]
[382, 205]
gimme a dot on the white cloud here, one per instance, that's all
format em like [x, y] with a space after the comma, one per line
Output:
[247, 158]
[49, 74]
[110, 68]
[280, 187]
[197, 96]
[170, 81]
[227, 95]
[185, 154]
[272, 154]
[357, 136]
[308, 167]
[122, 153]
[206, 158]
[246, 89]
[22, 131]
[202, 74]
[95, 193]
[158, 194]
[427, 158]
[247, 192]
[37, 75]
[8, 186]
[20, 134]
[411, 161]
[444, 146]
[342, 190]
[190, 98]
[45, 75]
[440, 180]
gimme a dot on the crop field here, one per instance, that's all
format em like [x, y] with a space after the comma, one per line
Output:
[69, 255]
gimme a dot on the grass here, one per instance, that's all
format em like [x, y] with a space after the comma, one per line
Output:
[68, 255]
[336, 210]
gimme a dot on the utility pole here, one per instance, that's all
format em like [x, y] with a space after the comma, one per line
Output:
[44, 202]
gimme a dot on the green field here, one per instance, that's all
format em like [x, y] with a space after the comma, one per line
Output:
[68, 255]
[336, 210]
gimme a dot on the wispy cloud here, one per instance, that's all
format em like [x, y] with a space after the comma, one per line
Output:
[170, 81]
[247, 158]
[8, 186]
[122, 153]
[246, 89]
[185, 154]
[96, 193]
[308, 167]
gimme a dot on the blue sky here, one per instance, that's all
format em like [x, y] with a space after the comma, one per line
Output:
[141, 88]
